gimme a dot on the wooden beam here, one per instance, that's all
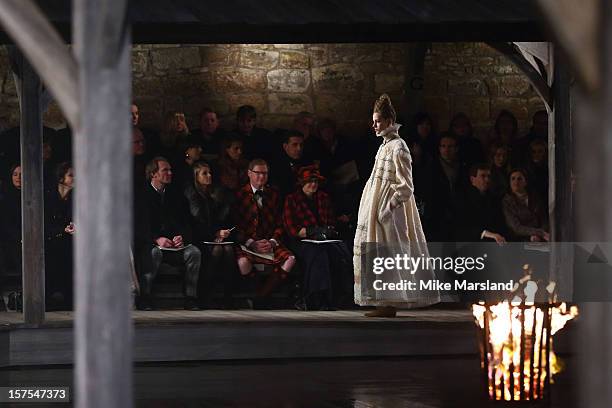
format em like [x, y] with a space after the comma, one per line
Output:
[32, 218]
[561, 173]
[533, 75]
[103, 163]
[44, 48]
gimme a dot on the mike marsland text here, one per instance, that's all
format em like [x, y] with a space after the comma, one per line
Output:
[435, 284]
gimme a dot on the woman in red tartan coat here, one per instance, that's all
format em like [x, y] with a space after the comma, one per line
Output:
[259, 224]
[308, 214]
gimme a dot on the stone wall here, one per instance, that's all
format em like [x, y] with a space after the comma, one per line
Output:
[335, 80]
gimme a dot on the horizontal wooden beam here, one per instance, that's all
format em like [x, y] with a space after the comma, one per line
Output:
[46, 51]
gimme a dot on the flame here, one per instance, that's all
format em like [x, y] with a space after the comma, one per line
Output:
[517, 337]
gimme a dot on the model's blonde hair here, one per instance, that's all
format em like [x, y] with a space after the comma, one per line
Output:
[384, 107]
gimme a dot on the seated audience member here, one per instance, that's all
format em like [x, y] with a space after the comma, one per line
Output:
[538, 130]
[470, 149]
[284, 168]
[209, 135]
[304, 122]
[422, 131]
[209, 206]
[447, 185]
[421, 177]
[151, 137]
[525, 213]
[10, 223]
[173, 135]
[258, 220]
[139, 150]
[59, 229]
[479, 214]
[339, 165]
[191, 152]
[498, 160]
[537, 168]
[308, 214]
[232, 166]
[167, 215]
[258, 142]
[505, 133]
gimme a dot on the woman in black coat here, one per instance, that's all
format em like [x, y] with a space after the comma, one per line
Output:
[209, 207]
[10, 226]
[58, 235]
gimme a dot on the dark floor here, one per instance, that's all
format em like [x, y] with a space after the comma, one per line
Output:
[339, 383]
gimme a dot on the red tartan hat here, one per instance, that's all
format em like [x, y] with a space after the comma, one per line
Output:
[309, 173]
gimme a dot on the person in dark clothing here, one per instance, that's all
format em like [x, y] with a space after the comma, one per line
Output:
[10, 224]
[283, 171]
[231, 168]
[499, 170]
[59, 229]
[308, 213]
[209, 206]
[305, 123]
[538, 131]
[448, 183]
[151, 136]
[170, 235]
[209, 135]
[423, 132]
[479, 213]
[470, 149]
[537, 168]
[259, 143]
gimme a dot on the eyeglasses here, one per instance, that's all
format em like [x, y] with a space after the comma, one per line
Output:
[263, 173]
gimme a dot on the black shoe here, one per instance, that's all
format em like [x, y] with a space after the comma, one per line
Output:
[191, 303]
[145, 303]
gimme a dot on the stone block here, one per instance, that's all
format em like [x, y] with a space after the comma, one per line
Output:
[318, 55]
[289, 104]
[389, 83]
[467, 87]
[140, 61]
[339, 53]
[271, 121]
[175, 58]
[289, 46]
[255, 58]
[289, 80]
[239, 79]
[514, 85]
[338, 78]
[219, 55]
[294, 59]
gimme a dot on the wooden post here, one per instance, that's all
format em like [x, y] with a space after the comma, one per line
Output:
[560, 170]
[103, 330]
[32, 219]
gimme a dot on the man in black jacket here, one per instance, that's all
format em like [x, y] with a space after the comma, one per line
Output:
[479, 213]
[166, 218]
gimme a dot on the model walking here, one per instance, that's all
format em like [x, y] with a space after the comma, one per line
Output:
[388, 220]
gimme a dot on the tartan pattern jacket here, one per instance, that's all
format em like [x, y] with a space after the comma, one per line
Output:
[253, 222]
[297, 214]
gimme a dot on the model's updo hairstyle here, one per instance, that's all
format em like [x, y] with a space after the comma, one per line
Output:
[384, 107]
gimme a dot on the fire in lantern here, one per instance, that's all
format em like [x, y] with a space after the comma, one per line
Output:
[516, 346]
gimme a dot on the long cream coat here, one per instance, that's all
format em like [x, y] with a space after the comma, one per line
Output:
[399, 229]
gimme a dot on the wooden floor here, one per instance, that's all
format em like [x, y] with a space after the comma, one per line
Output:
[215, 335]
[173, 317]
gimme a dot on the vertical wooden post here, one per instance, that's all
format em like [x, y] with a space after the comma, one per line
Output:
[32, 196]
[103, 331]
[561, 164]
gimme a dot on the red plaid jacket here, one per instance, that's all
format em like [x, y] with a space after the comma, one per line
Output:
[298, 215]
[255, 223]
